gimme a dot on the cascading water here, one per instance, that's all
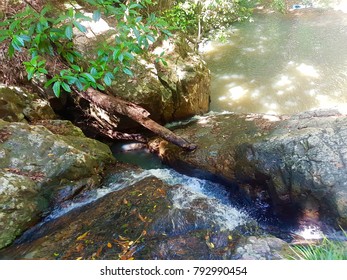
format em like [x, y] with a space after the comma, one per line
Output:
[207, 200]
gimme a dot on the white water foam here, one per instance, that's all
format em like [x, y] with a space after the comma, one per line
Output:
[191, 194]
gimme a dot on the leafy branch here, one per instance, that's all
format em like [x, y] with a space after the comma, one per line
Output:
[48, 33]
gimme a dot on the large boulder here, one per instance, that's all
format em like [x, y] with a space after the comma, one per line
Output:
[299, 163]
[21, 205]
[41, 165]
[173, 92]
[21, 105]
[179, 90]
[305, 160]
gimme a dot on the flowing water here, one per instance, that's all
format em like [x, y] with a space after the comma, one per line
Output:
[281, 64]
[220, 212]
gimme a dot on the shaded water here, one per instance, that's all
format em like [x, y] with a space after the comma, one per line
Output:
[281, 64]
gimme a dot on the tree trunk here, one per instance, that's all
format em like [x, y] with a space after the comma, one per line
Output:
[114, 105]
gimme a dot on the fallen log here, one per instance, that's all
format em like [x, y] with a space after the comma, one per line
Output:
[114, 105]
[110, 104]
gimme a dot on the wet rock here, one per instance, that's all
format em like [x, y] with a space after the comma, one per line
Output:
[53, 163]
[20, 105]
[124, 224]
[261, 248]
[305, 161]
[224, 143]
[299, 163]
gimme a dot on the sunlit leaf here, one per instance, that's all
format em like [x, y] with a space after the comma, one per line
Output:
[107, 81]
[80, 27]
[89, 77]
[68, 32]
[96, 15]
[100, 87]
[128, 72]
[66, 87]
[56, 88]
[83, 236]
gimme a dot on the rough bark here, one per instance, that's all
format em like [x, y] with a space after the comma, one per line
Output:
[115, 105]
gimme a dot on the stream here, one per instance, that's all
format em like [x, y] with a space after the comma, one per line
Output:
[280, 63]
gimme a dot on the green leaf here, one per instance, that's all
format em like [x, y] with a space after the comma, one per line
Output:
[25, 38]
[10, 50]
[2, 38]
[101, 52]
[33, 61]
[107, 80]
[69, 57]
[39, 27]
[13, 25]
[42, 70]
[76, 68]
[89, 77]
[49, 82]
[15, 46]
[135, 5]
[66, 87]
[101, 87]
[96, 15]
[70, 13]
[80, 27]
[128, 56]
[115, 70]
[41, 63]
[128, 72]
[79, 15]
[44, 10]
[68, 32]
[56, 88]
[151, 38]
[93, 71]
[116, 53]
[79, 84]
[70, 79]
[110, 75]
[31, 71]
[18, 41]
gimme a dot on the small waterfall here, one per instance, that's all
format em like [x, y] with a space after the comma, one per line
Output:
[208, 202]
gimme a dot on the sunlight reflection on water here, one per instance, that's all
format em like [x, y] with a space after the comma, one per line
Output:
[281, 64]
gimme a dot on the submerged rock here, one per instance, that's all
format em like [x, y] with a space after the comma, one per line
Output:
[299, 163]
